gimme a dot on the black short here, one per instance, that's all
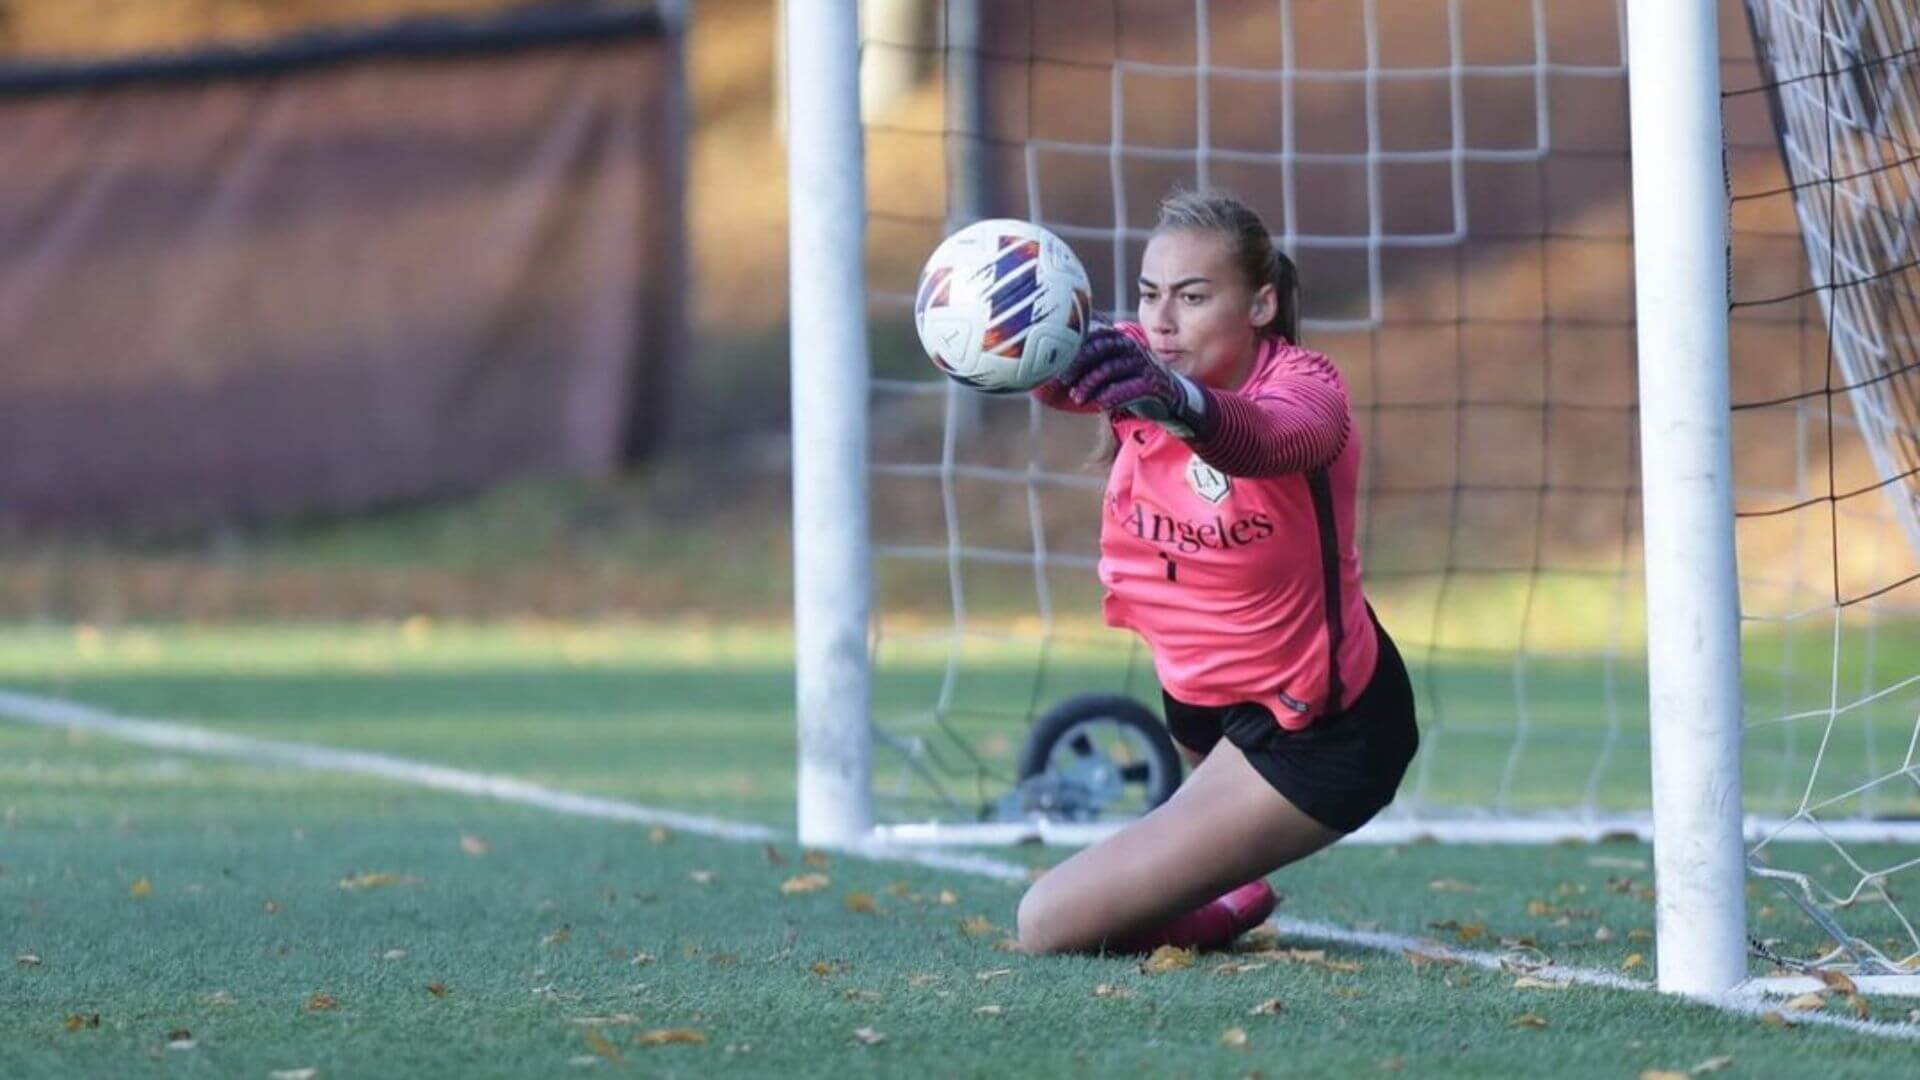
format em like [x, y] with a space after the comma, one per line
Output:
[1343, 768]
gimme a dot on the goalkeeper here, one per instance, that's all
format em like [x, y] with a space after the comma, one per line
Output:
[1227, 544]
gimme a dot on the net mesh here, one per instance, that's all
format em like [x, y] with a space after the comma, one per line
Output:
[1453, 183]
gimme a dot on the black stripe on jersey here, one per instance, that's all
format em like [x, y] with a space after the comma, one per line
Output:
[1322, 491]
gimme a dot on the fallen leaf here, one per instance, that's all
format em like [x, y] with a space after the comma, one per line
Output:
[868, 1037]
[219, 998]
[1444, 884]
[558, 937]
[1806, 1003]
[864, 997]
[1269, 1007]
[1421, 960]
[27, 960]
[642, 959]
[815, 859]
[356, 882]
[668, 1036]
[948, 897]
[1601, 933]
[658, 834]
[804, 883]
[1346, 992]
[1108, 990]
[394, 954]
[1774, 1019]
[472, 845]
[1858, 1003]
[293, 1074]
[598, 1043]
[438, 990]
[899, 890]
[271, 907]
[1234, 1037]
[860, 903]
[1838, 981]
[823, 968]
[919, 979]
[1392, 1064]
[1712, 1064]
[1632, 961]
[1529, 982]
[989, 976]
[1167, 958]
[180, 1039]
[990, 1010]
[1530, 1021]
[700, 877]
[976, 925]
[774, 858]
[142, 888]
[77, 1021]
[1008, 944]
[1662, 1074]
[1616, 862]
[322, 1001]
[1236, 967]
[1639, 934]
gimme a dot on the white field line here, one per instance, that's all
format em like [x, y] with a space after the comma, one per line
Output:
[185, 738]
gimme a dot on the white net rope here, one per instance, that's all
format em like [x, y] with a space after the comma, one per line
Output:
[1452, 179]
[1842, 81]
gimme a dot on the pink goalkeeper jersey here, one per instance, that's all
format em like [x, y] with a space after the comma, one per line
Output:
[1235, 557]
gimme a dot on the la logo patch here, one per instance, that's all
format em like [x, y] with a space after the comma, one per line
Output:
[1206, 481]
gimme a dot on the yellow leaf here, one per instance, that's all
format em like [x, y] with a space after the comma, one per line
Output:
[1528, 982]
[472, 845]
[142, 888]
[861, 903]
[1108, 990]
[1234, 1037]
[598, 1044]
[1529, 1021]
[558, 937]
[1007, 944]
[1662, 1074]
[1806, 1003]
[1443, 884]
[1269, 1007]
[977, 925]
[948, 898]
[657, 835]
[815, 859]
[322, 1001]
[804, 883]
[1346, 992]
[919, 979]
[1838, 981]
[77, 1021]
[1167, 958]
[1774, 1019]
[1639, 934]
[823, 968]
[1421, 960]
[669, 1036]
[356, 882]
[868, 1037]
[1632, 961]
[899, 890]
[1859, 1006]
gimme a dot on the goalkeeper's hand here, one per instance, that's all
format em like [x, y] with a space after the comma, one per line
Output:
[1115, 372]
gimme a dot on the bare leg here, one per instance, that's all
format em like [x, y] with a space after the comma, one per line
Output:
[1224, 827]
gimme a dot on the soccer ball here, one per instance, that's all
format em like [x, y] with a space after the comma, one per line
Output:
[1002, 306]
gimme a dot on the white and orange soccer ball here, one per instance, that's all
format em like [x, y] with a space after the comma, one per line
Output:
[1002, 306]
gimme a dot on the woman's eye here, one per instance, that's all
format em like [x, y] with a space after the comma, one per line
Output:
[1193, 299]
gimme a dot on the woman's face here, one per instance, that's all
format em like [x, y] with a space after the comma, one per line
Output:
[1201, 316]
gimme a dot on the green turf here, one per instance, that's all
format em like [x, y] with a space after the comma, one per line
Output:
[701, 721]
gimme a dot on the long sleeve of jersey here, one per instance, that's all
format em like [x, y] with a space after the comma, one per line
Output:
[1294, 422]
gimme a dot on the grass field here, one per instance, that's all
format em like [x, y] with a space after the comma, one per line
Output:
[286, 919]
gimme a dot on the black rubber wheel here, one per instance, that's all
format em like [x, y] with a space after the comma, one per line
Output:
[1112, 745]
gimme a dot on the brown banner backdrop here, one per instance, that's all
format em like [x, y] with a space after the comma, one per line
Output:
[336, 275]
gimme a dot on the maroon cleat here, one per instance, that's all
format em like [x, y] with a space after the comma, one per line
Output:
[1212, 925]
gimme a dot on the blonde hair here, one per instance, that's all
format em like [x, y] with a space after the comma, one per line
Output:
[1260, 263]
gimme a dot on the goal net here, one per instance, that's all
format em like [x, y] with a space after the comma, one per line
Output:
[1453, 181]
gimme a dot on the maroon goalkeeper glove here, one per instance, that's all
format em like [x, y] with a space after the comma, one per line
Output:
[1115, 372]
